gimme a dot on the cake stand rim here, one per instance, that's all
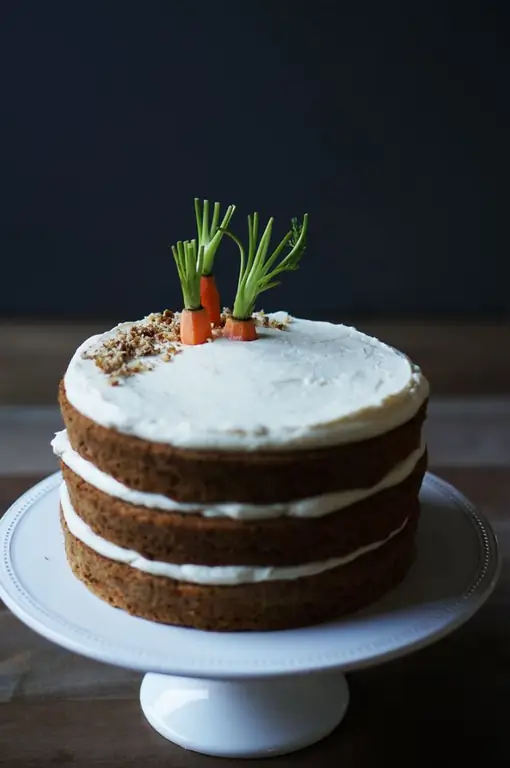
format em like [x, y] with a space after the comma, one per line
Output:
[471, 600]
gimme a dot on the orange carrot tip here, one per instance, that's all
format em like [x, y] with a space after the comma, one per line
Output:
[240, 330]
[210, 299]
[259, 271]
[195, 323]
[195, 326]
[210, 233]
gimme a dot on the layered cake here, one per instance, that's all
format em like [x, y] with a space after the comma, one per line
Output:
[234, 485]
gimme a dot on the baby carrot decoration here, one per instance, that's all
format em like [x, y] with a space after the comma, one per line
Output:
[209, 237]
[195, 323]
[258, 272]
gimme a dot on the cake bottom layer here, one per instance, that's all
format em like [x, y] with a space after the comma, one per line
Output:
[263, 606]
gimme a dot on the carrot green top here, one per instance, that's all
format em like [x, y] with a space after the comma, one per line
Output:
[210, 234]
[258, 271]
[189, 260]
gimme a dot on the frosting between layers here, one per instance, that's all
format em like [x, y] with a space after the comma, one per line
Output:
[229, 575]
[313, 385]
[304, 508]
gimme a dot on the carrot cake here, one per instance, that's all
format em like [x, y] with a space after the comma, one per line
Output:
[240, 485]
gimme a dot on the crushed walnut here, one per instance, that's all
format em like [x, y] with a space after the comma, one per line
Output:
[225, 315]
[121, 354]
[265, 321]
[261, 320]
[124, 353]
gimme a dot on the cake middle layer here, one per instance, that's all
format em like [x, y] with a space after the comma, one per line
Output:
[194, 538]
[217, 575]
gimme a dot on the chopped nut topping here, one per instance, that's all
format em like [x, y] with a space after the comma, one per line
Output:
[261, 320]
[121, 354]
[157, 335]
[264, 321]
[225, 315]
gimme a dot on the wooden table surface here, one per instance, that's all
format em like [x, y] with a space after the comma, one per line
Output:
[448, 702]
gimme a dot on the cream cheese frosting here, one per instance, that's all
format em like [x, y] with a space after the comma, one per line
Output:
[315, 384]
[315, 507]
[229, 575]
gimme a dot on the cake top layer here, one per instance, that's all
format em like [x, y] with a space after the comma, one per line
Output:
[301, 384]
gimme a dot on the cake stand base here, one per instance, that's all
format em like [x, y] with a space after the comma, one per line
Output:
[245, 718]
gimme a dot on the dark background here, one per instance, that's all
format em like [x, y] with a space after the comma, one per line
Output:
[368, 115]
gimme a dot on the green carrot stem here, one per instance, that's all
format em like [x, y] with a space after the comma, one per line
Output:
[189, 261]
[210, 234]
[257, 271]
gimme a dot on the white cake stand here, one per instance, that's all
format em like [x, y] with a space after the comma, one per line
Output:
[249, 694]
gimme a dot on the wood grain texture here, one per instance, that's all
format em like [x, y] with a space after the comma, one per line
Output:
[450, 700]
[458, 357]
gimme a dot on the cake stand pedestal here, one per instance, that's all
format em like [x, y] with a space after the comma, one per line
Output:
[245, 718]
[252, 694]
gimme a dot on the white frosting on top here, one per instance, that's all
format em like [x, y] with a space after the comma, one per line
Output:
[312, 385]
[229, 575]
[311, 507]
